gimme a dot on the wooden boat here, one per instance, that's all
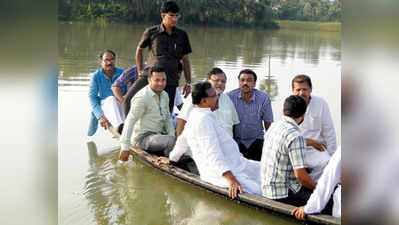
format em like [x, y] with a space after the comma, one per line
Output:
[251, 200]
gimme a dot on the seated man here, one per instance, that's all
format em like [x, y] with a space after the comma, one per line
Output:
[216, 154]
[125, 80]
[226, 114]
[149, 119]
[327, 188]
[283, 174]
[317, 128]
[105, 107]
[254, 110]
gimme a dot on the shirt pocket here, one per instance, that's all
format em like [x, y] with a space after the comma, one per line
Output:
[313, 123]
[178, 47]
[160, 45]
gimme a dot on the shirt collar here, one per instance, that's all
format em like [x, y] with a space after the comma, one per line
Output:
[290, 120]
[163, 29]
[103, 73]
[151, 92]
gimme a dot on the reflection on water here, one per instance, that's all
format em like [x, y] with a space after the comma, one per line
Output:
[137, 194]
[80, 43]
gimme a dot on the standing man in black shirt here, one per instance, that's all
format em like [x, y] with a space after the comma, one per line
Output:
[168, 45]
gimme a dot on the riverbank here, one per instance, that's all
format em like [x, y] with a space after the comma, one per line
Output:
[311, 26]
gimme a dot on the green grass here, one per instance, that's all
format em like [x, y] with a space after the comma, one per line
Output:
[314, 26]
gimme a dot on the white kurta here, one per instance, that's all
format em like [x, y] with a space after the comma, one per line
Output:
[215, 152]
[325, 188]
[113, 111]
[318, 125]
[226, 113]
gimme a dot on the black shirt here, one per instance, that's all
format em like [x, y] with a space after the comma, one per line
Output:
[165, 50]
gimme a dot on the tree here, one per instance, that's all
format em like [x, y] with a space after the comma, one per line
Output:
[307, 10]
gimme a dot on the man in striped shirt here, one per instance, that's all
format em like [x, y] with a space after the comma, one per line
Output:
[283, 174]
[254, 111]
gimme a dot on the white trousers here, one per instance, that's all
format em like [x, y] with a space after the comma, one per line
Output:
[113, 111]
[316, 161]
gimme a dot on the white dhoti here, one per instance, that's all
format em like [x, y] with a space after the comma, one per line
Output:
[316, 161]
[113, 111]
[249, 178]
[337, 202]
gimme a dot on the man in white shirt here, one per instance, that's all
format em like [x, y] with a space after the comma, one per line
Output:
[226, 113]
[317, 128]
[326, 187]
[149, 119]
[215, 152]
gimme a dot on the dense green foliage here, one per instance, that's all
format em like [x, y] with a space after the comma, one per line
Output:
[307, 10]
[203, 12]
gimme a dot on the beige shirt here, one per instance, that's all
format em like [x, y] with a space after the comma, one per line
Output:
[148, 113]
[226, 114]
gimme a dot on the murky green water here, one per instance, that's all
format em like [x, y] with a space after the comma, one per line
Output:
[95, 189]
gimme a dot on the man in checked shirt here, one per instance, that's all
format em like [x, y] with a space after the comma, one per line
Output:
[283, 174]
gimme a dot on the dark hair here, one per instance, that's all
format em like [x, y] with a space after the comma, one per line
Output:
[294, 106]
[179, 67]
[200, 91]
[155, 69]
[301, 78]
[169, 6]
[215, 70]
[109, 51]
[247, 71]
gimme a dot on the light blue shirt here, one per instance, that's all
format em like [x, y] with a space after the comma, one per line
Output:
[99, 89]
[251, 115]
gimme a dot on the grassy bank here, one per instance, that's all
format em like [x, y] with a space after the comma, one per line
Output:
[313, 26]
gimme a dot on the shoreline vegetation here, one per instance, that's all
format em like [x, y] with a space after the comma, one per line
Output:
[310, 25]
[314, 15]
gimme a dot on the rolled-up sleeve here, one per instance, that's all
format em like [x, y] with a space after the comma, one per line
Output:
[95, 100]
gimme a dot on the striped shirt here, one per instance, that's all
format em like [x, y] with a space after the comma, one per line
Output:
[283, 151]
[127, 78]
[251, 115]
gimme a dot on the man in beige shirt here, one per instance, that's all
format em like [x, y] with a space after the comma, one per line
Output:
[149, 120]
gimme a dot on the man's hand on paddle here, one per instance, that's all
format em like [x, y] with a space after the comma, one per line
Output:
[104, 122]
[234, 185]
[318, 145]
[124, 155]
[299, 213]
[162, 160]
